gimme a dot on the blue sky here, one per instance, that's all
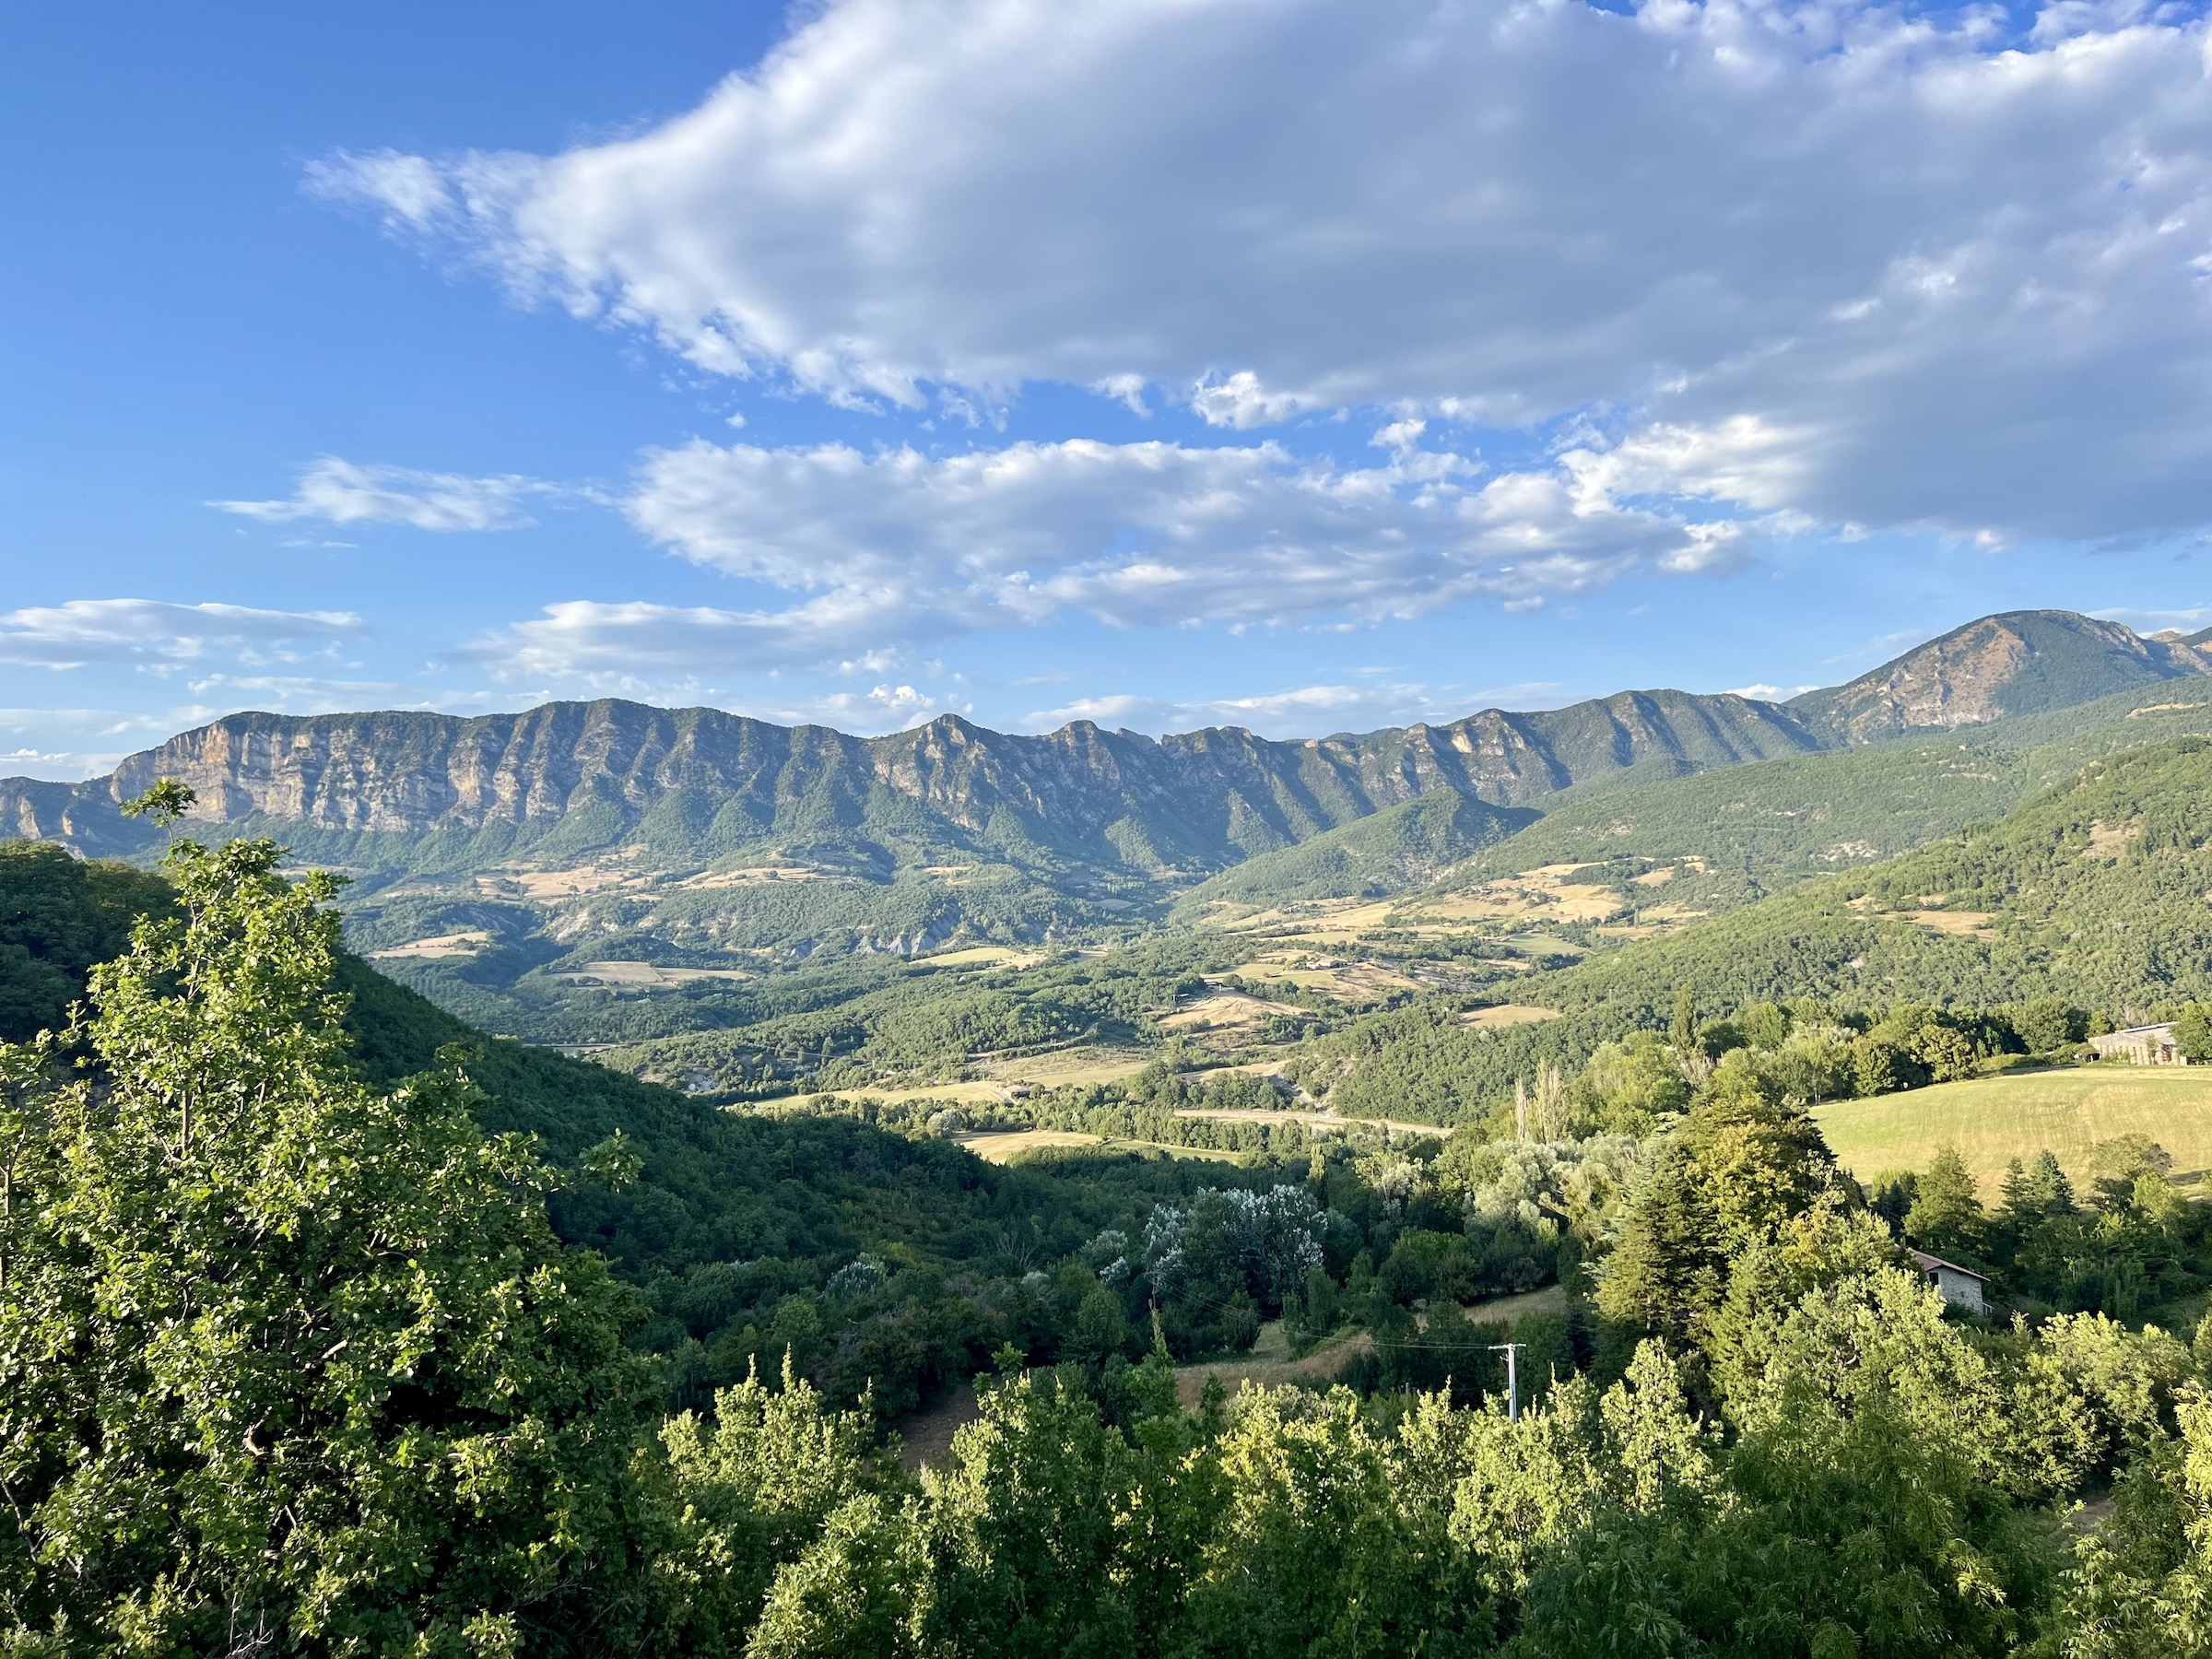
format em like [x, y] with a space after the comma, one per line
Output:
[1268, 362]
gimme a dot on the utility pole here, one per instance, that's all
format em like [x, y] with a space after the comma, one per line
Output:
[1513, 1378]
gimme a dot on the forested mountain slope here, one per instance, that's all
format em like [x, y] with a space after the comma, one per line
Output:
[2095, 890]
[1773, 823]
[498, 862]
[731, 1224]
[1398, 848]
[58, 916]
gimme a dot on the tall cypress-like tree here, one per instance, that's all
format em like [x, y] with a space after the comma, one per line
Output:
[1947, 1206]
[290, 1366]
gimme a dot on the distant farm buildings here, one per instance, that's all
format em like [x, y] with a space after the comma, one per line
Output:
[1960, 1288]
[2140, 1045]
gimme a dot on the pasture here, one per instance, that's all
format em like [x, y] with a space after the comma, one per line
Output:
[2017, 1114]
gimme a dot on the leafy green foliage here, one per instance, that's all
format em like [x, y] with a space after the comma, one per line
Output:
[1744, 1164]
[2142, 1583]
[286, 1357]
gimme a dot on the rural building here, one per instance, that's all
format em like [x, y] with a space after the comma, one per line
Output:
[1960, 1287]
[2142, 1045]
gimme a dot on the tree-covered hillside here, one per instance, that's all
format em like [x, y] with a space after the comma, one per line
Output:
[730, 1225]
[2093, 889]
[58, 916]
[1395, 850]
[1777, 822]
[292, 1362]
[2092, 893]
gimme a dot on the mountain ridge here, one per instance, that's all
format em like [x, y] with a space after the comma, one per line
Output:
[1105, 796]
[618, 826]
[2013, 662]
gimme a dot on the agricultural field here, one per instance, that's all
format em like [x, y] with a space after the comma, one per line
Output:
[1004, 1147]
[983, 956]
[1067, 1067]
[2019, 1114]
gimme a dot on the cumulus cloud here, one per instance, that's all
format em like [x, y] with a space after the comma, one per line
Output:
[296, 693]
[900, 548]
[1867, 265]
[340, 492]
[161, 636]
[885, 708]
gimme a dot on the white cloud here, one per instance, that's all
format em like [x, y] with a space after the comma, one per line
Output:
[1239, 400]
[154, 634]
[2187, 620]
[1867, 265]
[637, 648]
[1300, 711]
[341, 492]
[900, 548]
[676, 653]
[879, 709]
[296, 693]
[67, 744]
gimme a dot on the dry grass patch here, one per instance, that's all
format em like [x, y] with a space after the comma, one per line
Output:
[1505, 1014]
[1546, 891]
[1269, 1364]
[2109, 841]
[1340, 982]
[1320, 1121]
[980, 956]
[645, 975]
[1957, 924]
[967, 1091]
[1063, 1067]
[751, 875]
[1006, 1146]
[1225, 1011]
[441, 947]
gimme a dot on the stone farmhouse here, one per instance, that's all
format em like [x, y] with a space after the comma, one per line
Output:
[1960, 1288]
[2140, 1045]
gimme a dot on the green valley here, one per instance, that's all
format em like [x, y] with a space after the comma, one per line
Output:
[701, 1140]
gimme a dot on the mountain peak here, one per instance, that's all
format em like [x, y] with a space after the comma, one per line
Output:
[2014, 663]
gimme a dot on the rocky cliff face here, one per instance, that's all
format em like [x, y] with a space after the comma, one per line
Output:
[2020, 663]
[1197, 799]
[694, 780]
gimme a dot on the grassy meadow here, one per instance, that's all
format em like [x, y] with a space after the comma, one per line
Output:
[1991, 1120]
